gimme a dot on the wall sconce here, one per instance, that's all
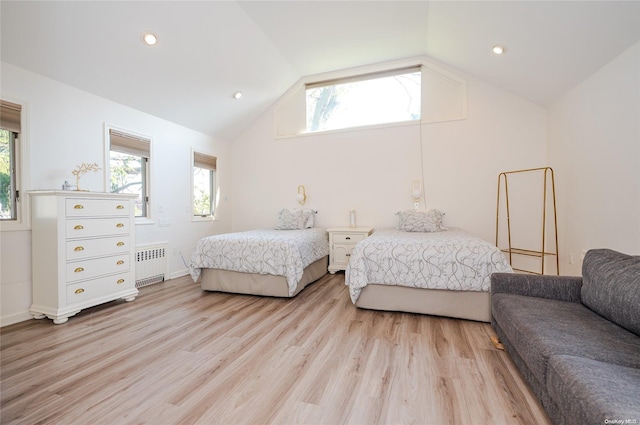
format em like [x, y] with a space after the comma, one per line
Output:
[416, 193]
[301, 197]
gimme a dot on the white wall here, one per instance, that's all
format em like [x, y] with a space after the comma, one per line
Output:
[594, 144]
[65, 127]
[371, 170]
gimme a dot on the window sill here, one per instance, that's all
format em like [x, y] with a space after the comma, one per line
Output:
[350, 129]
[23, 223]
[14, 226]
[207, 219]
[144, 221]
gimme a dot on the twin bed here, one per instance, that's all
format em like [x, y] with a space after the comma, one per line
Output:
[419, 267]
[276, 262]
[443, 273]
[270, 262]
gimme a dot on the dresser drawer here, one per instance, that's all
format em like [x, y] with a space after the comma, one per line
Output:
[78, 249]
[91, 227]
[83, 291]
[88, 269]
[347, 238]
[77, 207]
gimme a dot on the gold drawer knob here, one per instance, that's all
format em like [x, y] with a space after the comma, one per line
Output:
[120, 225]
[78, 227]
[120, 262]
[120, 244]
[120, 281]
[120, 207]
[79, 291]
[78, 270]
[78, 248]
[78, 207]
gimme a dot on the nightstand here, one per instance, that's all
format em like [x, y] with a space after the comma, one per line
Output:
[342, 240]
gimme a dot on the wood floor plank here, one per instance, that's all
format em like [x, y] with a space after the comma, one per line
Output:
[180, 355]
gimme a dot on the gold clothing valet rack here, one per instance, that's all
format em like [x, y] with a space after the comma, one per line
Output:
[543, 252]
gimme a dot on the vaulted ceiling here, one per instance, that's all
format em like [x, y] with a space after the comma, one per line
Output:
[208, 50]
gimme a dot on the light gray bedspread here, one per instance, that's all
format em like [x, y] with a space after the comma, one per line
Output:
[264, 251]
[452, 259]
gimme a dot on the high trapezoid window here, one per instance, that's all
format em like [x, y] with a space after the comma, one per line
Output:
[377, 98]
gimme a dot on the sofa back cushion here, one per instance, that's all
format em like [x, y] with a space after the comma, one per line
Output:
[611, 287]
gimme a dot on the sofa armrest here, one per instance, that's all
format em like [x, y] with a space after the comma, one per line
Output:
[562, 288]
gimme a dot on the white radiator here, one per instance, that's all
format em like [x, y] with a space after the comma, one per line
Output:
[151, 264]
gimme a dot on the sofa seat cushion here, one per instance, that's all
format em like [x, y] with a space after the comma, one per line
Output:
[593, 392]
[611, 286]
[539, 328]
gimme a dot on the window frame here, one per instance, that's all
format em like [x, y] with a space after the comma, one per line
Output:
[213, 185]
[444, 99]
[14, 192]
[358, 78]
[22, 220]
[146, 169]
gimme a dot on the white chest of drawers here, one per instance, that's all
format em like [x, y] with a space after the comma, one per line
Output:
[342, 240]
[83, 248]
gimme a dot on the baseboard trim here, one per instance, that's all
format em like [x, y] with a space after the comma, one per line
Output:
[179, 273]
[15, 318]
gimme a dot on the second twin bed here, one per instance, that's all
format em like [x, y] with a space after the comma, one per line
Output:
[444, 273]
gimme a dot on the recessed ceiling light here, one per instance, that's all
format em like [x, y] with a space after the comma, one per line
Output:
[498, 50]
[150, 39]
[237, 95]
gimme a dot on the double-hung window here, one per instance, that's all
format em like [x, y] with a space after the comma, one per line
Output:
[204, 184]
[129, 167]
[10, 128]
[368, 99]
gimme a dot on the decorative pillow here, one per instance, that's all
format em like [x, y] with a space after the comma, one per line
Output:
[421, 221]
[292, 219]
[611, 286]
[309, 218]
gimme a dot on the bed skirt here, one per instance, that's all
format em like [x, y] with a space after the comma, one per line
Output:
[470, 305]
[260, 284]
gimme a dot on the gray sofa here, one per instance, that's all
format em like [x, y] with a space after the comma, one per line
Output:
[576, 340]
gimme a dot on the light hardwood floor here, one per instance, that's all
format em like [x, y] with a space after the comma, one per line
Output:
[178, 355]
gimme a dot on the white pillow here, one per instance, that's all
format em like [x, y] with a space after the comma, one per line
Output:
[292, 219]
[421, 221]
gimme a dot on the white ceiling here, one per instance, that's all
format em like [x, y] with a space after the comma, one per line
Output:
[208, 50]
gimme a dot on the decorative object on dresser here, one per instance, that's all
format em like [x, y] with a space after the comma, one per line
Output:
[82, 251]
[342, 240]
[81, 169]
